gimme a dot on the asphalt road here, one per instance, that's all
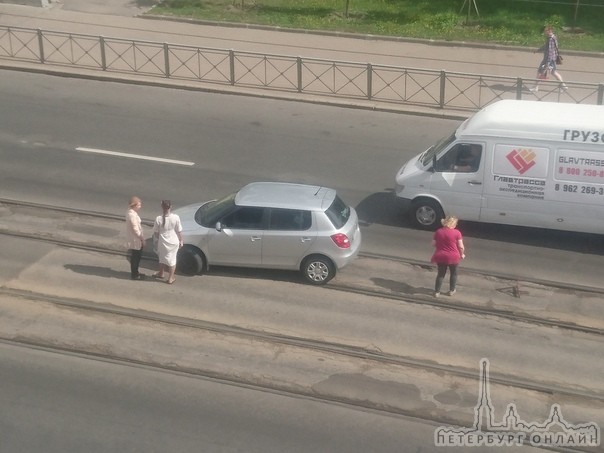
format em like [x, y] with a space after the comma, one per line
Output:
[60, 403]
[100, 404]
[233, 140]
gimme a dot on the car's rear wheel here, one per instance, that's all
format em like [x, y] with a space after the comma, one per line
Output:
[426, 214]
[190, 260]
[318, 269]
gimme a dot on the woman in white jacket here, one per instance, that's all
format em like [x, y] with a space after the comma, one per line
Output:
[135, 239]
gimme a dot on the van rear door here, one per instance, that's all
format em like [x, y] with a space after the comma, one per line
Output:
[457, 180]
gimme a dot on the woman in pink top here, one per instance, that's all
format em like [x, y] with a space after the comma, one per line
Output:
[449, 252]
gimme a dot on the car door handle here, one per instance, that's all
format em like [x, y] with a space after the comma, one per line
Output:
[255, 238]
[475, 183]
[305, 239]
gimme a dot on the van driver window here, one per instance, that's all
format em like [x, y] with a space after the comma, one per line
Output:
[462, 158]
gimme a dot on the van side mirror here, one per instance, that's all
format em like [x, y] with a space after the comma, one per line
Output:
[433, 168]
[218, 226]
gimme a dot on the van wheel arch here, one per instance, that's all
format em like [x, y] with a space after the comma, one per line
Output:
[426, 213]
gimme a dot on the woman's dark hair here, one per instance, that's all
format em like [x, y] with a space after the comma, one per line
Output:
[165, 205]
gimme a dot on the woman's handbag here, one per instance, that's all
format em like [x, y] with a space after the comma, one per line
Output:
[559, 59]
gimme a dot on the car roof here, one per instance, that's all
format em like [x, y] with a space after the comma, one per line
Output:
[285, 195]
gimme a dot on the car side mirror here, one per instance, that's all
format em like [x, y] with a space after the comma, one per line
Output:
[218, 226]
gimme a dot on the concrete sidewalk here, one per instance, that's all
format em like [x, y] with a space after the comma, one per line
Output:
[475, 58]
[457, 57]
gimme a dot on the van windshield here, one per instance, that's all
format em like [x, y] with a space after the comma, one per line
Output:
[435, 150]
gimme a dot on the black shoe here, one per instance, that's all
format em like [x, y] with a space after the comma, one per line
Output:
[138, 277]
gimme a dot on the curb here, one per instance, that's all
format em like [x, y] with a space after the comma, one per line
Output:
[405, 109]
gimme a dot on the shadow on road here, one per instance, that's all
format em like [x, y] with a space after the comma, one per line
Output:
[401, 287]
[383, 208]
[107, 272]
[253, 273]
[98, 271]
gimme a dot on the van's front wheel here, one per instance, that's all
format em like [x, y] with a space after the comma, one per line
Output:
[426, 214]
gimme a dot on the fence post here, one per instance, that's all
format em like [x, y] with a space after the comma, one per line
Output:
[299, 73]
[519, 87]
[167, 59]
[443, 81]
[232, 65]
[369, 81]
[600, 94]
[41, 45]
[103, 56]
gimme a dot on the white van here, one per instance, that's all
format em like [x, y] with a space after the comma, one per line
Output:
[526, 163]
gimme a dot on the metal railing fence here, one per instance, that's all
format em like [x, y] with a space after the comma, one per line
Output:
[390, 84]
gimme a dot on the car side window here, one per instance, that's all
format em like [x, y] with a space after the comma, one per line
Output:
[289, 220]
[462, 158]
[245, 218]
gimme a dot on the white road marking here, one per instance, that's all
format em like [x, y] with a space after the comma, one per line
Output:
[134, 156]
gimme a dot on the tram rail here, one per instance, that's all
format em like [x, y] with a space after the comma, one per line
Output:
[419, 299]
[279, 339]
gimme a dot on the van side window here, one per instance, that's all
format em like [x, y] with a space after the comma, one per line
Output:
[462, 158]
[289, 220]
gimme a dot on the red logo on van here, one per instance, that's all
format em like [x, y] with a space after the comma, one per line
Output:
[522, 160]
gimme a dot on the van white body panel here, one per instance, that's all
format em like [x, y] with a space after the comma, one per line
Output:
[535, 164]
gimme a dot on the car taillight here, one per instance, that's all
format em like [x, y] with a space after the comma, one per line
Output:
[341, 240]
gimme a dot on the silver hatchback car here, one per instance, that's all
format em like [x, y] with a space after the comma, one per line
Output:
[271, 225]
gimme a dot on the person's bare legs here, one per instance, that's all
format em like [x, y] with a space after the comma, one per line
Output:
[171, 270]
[535, 88]
[557, 75]
[160, 273]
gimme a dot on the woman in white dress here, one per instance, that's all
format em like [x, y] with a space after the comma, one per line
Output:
[167, 230]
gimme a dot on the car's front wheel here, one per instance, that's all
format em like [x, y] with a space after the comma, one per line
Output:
[190, 260]
[318, 270]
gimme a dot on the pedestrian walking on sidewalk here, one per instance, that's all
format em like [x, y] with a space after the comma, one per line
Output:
[167, 234]
[134, 237]
[449, 252]
[551, 58]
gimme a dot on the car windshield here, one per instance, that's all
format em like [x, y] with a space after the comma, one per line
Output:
[435, 150]
[338, 213]
[210, 213]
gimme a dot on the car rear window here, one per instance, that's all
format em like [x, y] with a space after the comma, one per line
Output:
[338, 212]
